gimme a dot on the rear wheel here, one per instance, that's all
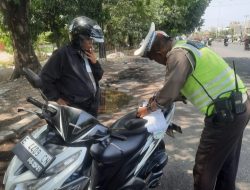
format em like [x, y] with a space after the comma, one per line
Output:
[153, 168]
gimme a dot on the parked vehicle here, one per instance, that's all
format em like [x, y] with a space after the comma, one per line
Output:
[246, 44]
[75, 151]
[246, 41]
[225, 41]
[209, 42]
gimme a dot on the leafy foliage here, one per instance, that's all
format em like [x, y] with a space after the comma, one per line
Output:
[129, 20]
[55, 15]
[181, 16]
[5, 39]
[124, 22]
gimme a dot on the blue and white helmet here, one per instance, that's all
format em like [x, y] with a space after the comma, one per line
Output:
[84, 26]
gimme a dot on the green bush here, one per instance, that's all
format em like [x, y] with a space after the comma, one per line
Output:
[5, 42]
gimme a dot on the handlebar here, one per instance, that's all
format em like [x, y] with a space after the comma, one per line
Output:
[35, 102]
[40, 105]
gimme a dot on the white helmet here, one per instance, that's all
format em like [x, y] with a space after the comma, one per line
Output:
[146, 44]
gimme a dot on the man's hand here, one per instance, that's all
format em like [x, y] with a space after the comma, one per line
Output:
[61, 101]
[142, 111]
[91, 55]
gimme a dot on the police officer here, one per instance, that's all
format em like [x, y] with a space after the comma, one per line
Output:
[197, 73]
[71, 75]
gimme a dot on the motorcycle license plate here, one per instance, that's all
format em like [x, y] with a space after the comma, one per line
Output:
[33, 155]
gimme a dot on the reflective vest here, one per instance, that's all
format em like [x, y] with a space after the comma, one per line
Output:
[213, 73]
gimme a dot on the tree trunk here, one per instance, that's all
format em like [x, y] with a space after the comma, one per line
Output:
[16, 18]
[102, 50]
[131, 41]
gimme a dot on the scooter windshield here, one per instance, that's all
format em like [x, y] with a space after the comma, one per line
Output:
[72, 122]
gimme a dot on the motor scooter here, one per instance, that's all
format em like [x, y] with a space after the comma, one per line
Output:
[75, 151]
[246, 44]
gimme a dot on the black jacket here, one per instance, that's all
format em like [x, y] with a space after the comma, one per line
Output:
[65, 76]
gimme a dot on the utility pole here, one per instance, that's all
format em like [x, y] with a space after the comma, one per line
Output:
[245, 27]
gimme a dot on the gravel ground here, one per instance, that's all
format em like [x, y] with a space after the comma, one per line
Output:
[182, 148]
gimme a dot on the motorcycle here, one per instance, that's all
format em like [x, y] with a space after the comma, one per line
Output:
[246, 45]
[226, 41]
[75, 151]
[209, 42]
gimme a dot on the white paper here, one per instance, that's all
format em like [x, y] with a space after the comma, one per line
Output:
[156, 121]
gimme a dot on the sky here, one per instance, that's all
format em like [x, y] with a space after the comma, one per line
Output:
[220, 13]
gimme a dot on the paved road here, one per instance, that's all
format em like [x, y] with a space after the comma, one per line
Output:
[182, 149]
[232, 50]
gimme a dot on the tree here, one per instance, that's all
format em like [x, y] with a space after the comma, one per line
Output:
[15, 13]
[124, 22]
[46, 16]
[128, 20]
[181, 16]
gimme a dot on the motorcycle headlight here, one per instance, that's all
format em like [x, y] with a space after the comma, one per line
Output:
[32, 185]
[63, 164]
[50, 174]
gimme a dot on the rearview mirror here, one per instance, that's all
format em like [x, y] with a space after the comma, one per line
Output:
[33, 78]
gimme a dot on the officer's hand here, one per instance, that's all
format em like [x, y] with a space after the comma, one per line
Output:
[142, 111]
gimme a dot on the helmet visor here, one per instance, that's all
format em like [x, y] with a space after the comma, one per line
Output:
[98, 40]
[96, 34]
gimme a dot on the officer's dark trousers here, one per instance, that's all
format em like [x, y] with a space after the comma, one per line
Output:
[217, 157]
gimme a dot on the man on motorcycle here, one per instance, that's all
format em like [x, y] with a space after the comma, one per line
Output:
[205, 79]
[71, 75]
[246, 42]
[226, 41]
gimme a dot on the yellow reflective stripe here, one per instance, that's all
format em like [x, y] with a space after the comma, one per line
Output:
[213, 90]
[215, 94]
[213, 73]
[228, 84]
[204, 104]
[219, 77]
[225, 86]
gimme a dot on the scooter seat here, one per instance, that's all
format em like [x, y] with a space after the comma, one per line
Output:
[119, 122]
[117, 149]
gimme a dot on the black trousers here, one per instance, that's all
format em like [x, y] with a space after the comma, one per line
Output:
[91, 108]
[218, 153]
